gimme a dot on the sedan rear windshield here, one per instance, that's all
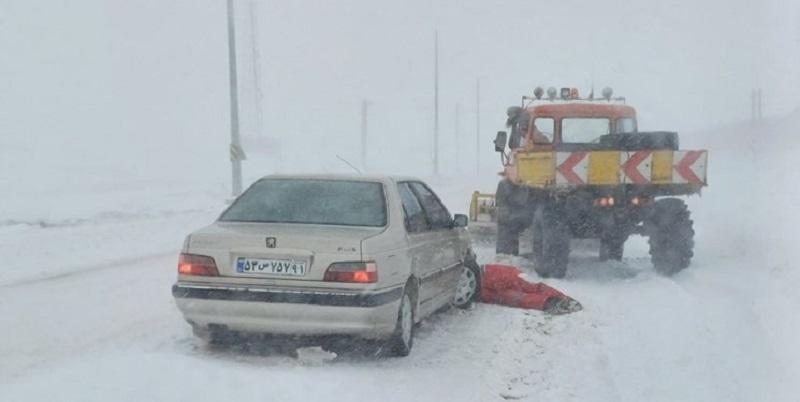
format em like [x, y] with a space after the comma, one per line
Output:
[322, 202]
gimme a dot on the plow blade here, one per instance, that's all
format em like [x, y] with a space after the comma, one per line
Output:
[483, 217]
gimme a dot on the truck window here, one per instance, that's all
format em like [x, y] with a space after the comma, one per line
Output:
[545, 126]
[626, 125]
[582, 130]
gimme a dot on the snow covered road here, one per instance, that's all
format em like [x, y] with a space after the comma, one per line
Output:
[115, 334]
[86, 315]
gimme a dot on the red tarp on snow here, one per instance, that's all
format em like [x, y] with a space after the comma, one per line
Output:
[504, 284]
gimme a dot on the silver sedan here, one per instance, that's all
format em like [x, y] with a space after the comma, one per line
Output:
[326, 255]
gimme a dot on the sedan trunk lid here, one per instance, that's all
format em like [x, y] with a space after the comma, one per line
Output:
[267, 253]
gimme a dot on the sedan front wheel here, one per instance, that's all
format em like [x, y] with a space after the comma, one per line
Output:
[469, 285]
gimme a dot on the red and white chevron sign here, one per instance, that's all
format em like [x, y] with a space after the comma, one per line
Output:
[689, 167]
[638, 168]
[571, 167]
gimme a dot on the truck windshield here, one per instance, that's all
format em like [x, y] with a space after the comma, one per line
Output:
[310, 201]
[577, 130]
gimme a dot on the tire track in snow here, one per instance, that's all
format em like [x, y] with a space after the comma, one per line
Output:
[53, 320]
[120, 263]
[680, 340]
[541, 357]
[37, 254]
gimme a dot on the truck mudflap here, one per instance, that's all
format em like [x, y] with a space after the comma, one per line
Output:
[507, 285]
[556, 169]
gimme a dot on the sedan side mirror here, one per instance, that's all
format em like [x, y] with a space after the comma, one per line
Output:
[460, 221]
[500, 141]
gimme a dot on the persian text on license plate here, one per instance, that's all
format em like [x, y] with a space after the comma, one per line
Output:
[271, 266]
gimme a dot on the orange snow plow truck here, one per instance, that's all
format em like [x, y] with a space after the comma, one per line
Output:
[580, 168]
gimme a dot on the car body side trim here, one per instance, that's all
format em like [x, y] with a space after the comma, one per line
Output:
[245, 294]
[440, 271]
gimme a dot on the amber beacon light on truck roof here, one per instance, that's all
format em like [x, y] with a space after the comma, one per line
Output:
[567, 94]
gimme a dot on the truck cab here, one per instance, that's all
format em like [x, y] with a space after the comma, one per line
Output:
[580, 168]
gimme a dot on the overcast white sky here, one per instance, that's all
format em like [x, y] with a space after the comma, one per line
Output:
[115, 80]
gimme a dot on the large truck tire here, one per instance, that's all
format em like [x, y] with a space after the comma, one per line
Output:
[612, 246]
[555, 242]
[507, 239]
[671, 233]
[536, 236]
[513, 216]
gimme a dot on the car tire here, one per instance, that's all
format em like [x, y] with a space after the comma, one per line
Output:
[469, 285]
[402, 340]
[214, 335]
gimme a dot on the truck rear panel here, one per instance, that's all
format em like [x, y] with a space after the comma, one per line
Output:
[657, 168]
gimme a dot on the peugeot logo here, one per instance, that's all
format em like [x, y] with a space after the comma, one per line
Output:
[272, 242]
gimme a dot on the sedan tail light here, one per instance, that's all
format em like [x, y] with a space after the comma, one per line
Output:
[198, 265]
[355, 272]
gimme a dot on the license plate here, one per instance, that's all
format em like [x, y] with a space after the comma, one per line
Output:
[271, 266]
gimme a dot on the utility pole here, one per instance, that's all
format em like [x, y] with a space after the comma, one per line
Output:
[797, 57]
[365, 104]
[478, 125]
[755, 105]
[258, 92]
[236, 152]
[436, 104]
[760, 116]
[458, 138]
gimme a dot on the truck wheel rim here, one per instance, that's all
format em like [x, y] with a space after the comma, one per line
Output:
[466, 287]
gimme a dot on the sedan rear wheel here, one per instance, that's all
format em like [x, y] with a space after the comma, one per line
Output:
[214, 335]
[403, 337]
